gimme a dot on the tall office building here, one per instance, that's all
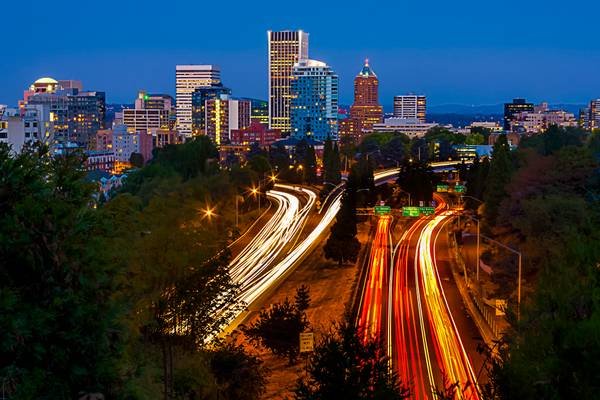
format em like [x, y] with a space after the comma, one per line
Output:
[366, 111]
[511, 110]
[199, 98]
[225, 114]
[286, 48]
[189, 78]
[410, 106]
[314, 105]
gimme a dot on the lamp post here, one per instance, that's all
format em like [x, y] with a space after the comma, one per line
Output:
[256, 192]
[520, 257]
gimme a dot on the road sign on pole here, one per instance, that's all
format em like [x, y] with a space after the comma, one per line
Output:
[442, 188]
[459, 188]
[382, 210]
[307, 342]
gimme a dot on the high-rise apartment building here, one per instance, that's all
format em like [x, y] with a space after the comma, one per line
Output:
[224, 114]
[77, 116]
[314, 105]
[594, 114]
[410, 106]
[511, 110]
[189, 78]
[286, 48]
[199, 98]
[366, 111]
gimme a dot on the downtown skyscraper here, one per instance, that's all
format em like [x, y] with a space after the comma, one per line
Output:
[314, 104]
[286, 48]
[189, 78]
[366, 110]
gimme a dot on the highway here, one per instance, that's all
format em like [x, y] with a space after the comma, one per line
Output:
[275, 250]
[404, 303]
[426, 345]
[372, 305]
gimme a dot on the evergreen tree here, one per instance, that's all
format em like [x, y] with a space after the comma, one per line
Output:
[345, 366]
[501, 168]
[58, 317]
[331, 163]
[309, 166]
[278, 329]
[302, 299]
[342, 245]
[476, 178]
[417, 178]
[336, 165]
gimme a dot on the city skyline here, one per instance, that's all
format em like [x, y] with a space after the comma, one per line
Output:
[464, 54]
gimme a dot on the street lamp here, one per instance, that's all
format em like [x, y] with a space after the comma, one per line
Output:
[256, 192]
[208, 212]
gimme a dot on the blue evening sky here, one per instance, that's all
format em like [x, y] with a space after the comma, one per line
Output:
[462, 51]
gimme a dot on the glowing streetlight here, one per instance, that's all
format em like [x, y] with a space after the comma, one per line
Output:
[208, 212]
[256, 192]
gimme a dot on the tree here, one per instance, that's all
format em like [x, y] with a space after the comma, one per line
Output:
[136, 160]
[239, 375]
[554, 139]
[309, 166]
[278, 328]
[194, 157]
[417, 178]
[59, 320]
[342, 245]
[331, 163]
[345, 366]
[500, 173]
[476, 179]
[302, 299]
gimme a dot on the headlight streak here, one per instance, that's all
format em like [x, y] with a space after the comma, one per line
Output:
[255, 268]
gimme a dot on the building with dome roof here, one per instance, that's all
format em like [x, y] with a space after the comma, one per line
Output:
[76, 115]
[366, 110]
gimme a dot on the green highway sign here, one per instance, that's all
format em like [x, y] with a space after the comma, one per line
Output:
[442, 188]
[382, 210]
[410, 211]
[427, 210]
[417, 211]
[459, 188]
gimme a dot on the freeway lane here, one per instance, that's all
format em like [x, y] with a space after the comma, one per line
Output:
[372, 306]
[256, 263]
[428, 345]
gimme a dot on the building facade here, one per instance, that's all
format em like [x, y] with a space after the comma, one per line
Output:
[594, 115]
[188, 78]
[199, 98]
[411, 127]
[286, 48]
[76, 116]
[411, 106]
[225, 114]
[366, 110]
[314, 105]
[512, 109]
[255, 133]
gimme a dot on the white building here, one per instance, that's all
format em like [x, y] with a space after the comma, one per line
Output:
[411, 127]
[541, 119]
[410, 106]
[286, 48]
[125, 142]
[31, 124]
[188, 78]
